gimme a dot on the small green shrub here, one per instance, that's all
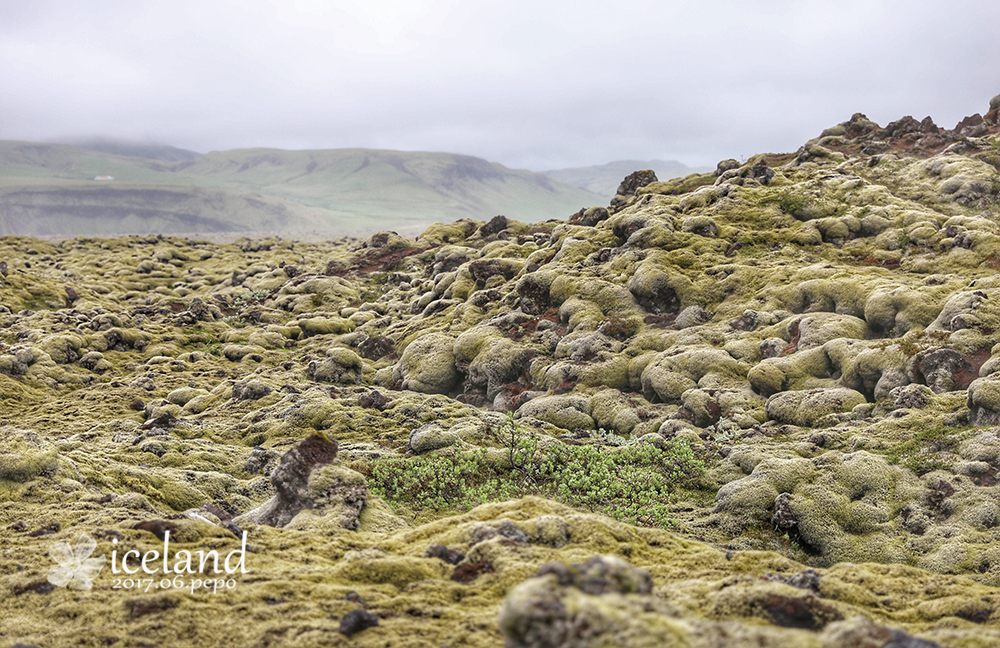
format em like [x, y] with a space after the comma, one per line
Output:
[791, 202]
[250, 298]
[460, 480]
[632, 483]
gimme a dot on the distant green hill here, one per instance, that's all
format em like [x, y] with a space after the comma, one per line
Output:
[128, 148]
[604, 179]
[54, 190]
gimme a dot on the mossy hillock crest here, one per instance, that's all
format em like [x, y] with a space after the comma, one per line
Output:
[788, 363]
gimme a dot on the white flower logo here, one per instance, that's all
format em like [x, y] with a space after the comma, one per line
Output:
[76, 569]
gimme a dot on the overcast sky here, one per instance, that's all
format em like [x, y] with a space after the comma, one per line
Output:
[535, 84]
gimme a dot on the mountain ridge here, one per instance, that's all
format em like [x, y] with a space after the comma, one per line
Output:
[131, 148]
[337, 191]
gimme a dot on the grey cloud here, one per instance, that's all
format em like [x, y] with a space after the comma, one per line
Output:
[529, 84]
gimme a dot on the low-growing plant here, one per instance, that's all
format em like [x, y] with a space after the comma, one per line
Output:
[791, 201]
[250, 298]
[460, 480]
[922, 452]
[633, 482]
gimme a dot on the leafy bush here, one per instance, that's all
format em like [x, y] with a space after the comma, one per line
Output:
[632, 483]
[791, 201]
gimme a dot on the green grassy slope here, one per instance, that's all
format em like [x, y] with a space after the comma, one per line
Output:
[49, 190]
[81, 208]
[148, 150]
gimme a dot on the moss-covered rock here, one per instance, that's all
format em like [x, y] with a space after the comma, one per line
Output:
[809, 407]
[566, 412]
[428, 365]
[25, 455]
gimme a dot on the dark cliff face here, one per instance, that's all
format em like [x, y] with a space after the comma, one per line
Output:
[780, 377]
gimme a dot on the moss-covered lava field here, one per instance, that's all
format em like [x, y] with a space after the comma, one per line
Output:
[759, 406]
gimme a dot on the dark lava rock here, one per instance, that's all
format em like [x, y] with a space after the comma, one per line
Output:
[594, 215]
[159, 528]
[376, 348]
[798, 612]
[943, 369]
[762, 173]
[483, 269]
[628, 188]
[140, 607]
[940, 490]
[726, 165]
[356, 621]
[783, 518]
[219, 512]
[291, 479]
[471, 571]
[635, 181]
[38, 587]
[143, 382]
[108, 534]
[373, 399]
[163, 421]
[805, 579]
[197, 311]
[748, 321]
[496, 225]
[979, 615]
[910, 397]
[450, 556]
[48, 529]
[378, 240]
[92, 360]
[154, 448]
